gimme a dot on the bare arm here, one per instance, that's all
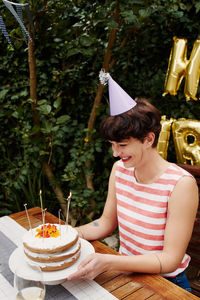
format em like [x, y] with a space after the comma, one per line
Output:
[107, 223]
[182, 211]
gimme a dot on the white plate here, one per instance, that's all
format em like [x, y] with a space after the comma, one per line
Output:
[53, 277]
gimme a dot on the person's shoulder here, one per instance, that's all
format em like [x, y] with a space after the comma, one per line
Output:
[117, 164]
[174, 168]
[185, 180]
[186, 189]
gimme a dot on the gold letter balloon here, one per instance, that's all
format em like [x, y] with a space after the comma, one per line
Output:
[186, 135]
[179, 67]
[163, 141]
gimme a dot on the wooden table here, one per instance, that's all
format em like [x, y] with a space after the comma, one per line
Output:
[128, 287]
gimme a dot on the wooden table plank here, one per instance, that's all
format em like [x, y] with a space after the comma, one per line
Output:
[142, 294]
[106, 276]
[123, 286]
[116, 282]
[156, 297]
[127, 289]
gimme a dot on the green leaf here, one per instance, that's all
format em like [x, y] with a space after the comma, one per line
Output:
[129, 16]
[183, 6]
[3, 93]
[57, 102]
[112, 25]
[72, 52]
[145, 13]
[86, 41]
[45, 109]
[40, 102]
[35, 129]
[42, 152]
[197, 6]
[55, 128]
[63, 119]
[15, 114]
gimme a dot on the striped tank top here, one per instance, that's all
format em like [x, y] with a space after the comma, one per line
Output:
[142, 211]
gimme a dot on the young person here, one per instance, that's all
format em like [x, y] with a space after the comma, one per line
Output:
[153, 202]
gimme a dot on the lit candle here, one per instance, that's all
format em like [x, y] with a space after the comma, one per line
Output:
[59, 211]
[25, 206]
[68, 204]
[43, 219]
[41, 203]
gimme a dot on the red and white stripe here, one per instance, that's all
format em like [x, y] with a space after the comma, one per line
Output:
[142, 211]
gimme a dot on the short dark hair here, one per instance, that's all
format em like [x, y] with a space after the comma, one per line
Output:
[137, 123]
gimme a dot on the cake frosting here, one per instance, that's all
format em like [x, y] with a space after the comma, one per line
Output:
[52, 246]
[58, 265]
[56, 256]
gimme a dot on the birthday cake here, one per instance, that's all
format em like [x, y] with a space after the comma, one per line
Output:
[52, 246]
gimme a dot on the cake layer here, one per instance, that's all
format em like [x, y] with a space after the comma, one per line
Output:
[55, 266]
[53, 257]
[68, 237]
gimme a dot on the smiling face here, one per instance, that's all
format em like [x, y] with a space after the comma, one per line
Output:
[131, 151]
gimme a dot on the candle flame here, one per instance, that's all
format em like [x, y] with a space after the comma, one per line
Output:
[70, 195]
[67, 208]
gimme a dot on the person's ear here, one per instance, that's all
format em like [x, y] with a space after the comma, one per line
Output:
[149, 139]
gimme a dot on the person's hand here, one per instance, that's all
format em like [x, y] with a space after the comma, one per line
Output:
[92, 266]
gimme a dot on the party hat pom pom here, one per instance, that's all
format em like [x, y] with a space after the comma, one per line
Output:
[103, 77]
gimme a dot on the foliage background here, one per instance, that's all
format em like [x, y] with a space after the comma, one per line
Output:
[70, 44]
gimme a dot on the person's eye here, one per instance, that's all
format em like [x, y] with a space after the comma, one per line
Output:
[123, 145]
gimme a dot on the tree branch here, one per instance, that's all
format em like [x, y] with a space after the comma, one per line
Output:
[99, 94]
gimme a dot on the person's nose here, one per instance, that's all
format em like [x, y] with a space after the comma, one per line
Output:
[116, 151]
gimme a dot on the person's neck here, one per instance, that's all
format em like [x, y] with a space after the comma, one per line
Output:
[151, 169]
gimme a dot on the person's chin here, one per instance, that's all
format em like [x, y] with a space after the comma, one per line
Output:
[127, 162]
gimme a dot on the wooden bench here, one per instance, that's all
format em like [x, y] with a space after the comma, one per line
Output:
[193, 250]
